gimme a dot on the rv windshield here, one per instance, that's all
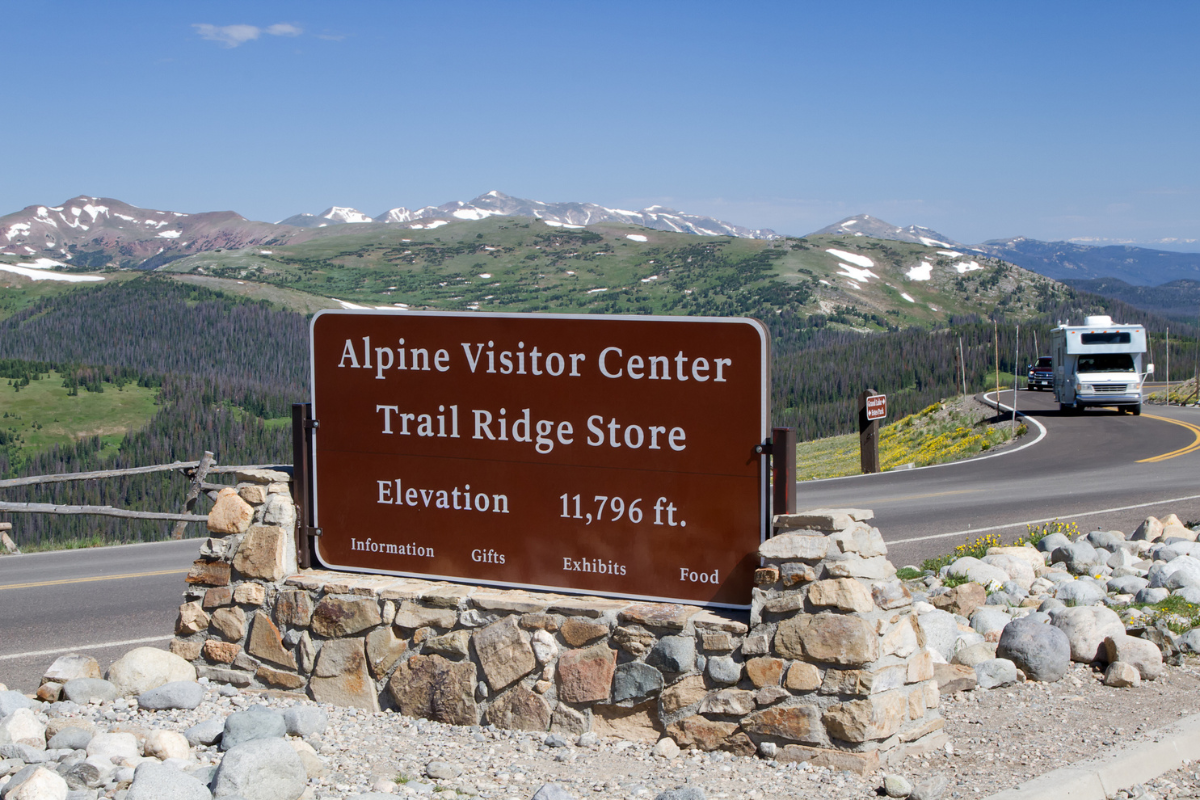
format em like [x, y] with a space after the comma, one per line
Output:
[1106, 362]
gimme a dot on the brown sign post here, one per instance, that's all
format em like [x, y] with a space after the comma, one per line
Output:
[871, 408]
[605, 455]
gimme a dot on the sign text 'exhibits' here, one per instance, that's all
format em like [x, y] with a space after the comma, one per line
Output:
[607, 455]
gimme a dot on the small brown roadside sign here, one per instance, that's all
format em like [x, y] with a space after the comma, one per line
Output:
[877, 406]
[592, 454]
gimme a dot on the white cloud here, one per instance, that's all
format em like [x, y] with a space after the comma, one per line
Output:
[234, 35]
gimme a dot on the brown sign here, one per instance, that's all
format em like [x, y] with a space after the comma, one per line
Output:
[601, 455]
[877, 406]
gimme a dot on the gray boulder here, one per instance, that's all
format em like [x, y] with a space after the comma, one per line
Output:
[205, 733]
[1127, 584]
[177, 694]
[724, 670]
[932, 788]
[89, 690]
[1190, 594]
[256, 722]
[635, 680]
[305, 720]
[1159, 572]
[1081, 593]
[261, 769]
[682, 793]
[1050, 543]
[10, 701]
[995, 672]
[673, 654]
[1109, 540]
[988, 619]
[70, 739]
[1086, 628]
[1080, 558]
[160, 782]
[1042, 651]
[1150, 595]
[1191, 640]
[1051, 603]
[552, 791]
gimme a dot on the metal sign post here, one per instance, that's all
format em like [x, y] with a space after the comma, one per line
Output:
[872, 407]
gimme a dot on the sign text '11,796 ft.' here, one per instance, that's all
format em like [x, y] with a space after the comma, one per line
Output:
[606, 455]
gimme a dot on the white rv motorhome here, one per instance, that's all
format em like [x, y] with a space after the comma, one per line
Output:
[1099, 363]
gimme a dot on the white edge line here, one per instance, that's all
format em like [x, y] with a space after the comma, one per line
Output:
[98, 646]
[971, 531]
[1001, 406]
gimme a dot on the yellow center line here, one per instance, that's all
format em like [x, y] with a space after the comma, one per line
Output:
[1195, 445]
[922, 496]
[98, 578]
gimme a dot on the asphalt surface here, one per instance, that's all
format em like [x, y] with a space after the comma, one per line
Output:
[72, 600]
[1087, 463]
[106, 601]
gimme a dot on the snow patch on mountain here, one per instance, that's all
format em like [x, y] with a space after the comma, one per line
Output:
[921, 272]
[853, 258]
[856, 274]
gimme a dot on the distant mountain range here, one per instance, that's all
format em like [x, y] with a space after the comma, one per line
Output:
[498, 204]
[93, 232]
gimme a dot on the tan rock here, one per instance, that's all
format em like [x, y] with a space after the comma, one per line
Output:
[920, 667]
[567, 720]
[830, 638]
[276, 677]
[962, 599]
[230, 514]
[876, 717]
[797, 546]
[541, 622]
[253, 493]
[293, 608]
[578, 631]
[683, 694]
[314, 767]
[846, 594]
[634, 640]
[861, 539]
[764, 670]
[585, 676]
[1122, 675]
[435, 688]
[836, 760]
[49, 692]
[263, 553]
[250, 594]
[802, 677]
[901, 639]
[72, 666]
[267, 643]
[795, 572]
[1029, 554]
[455, 644]
[209, 573]
[716, 641]
[340, 676]
[954, 678]
[658, 615]
[639, 723]
[1150, 530]
[795, 723]
[737, 702]
[384, 649]
[188, 651]
[221, 652]
[230, 623]
[1141, 654]
[162, 745]
[218, 596]
[338, 616]
[146, 668]
[411, 616]
[889, 595]
[863, 682]
[504, 651]
[707, 735]
[850, 565]
[57, 725]
[191, 619]
[519, 709]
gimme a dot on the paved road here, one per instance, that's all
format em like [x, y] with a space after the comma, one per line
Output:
[76, 598]
[1095, 461]
[82, 598]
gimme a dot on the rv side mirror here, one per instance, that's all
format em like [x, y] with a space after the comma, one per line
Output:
[1149, 369]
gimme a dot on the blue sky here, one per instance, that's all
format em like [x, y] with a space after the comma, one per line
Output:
[1048, 120]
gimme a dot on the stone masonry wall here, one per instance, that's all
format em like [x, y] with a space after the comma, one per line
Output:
[829, 667]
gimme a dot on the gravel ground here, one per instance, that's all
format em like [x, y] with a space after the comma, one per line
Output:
[999, 738]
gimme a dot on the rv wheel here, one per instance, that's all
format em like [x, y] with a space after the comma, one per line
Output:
[1136, 410]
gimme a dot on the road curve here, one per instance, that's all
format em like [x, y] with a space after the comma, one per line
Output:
[1088, 463]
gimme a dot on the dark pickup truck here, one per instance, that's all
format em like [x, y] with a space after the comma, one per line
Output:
[1041, 374]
